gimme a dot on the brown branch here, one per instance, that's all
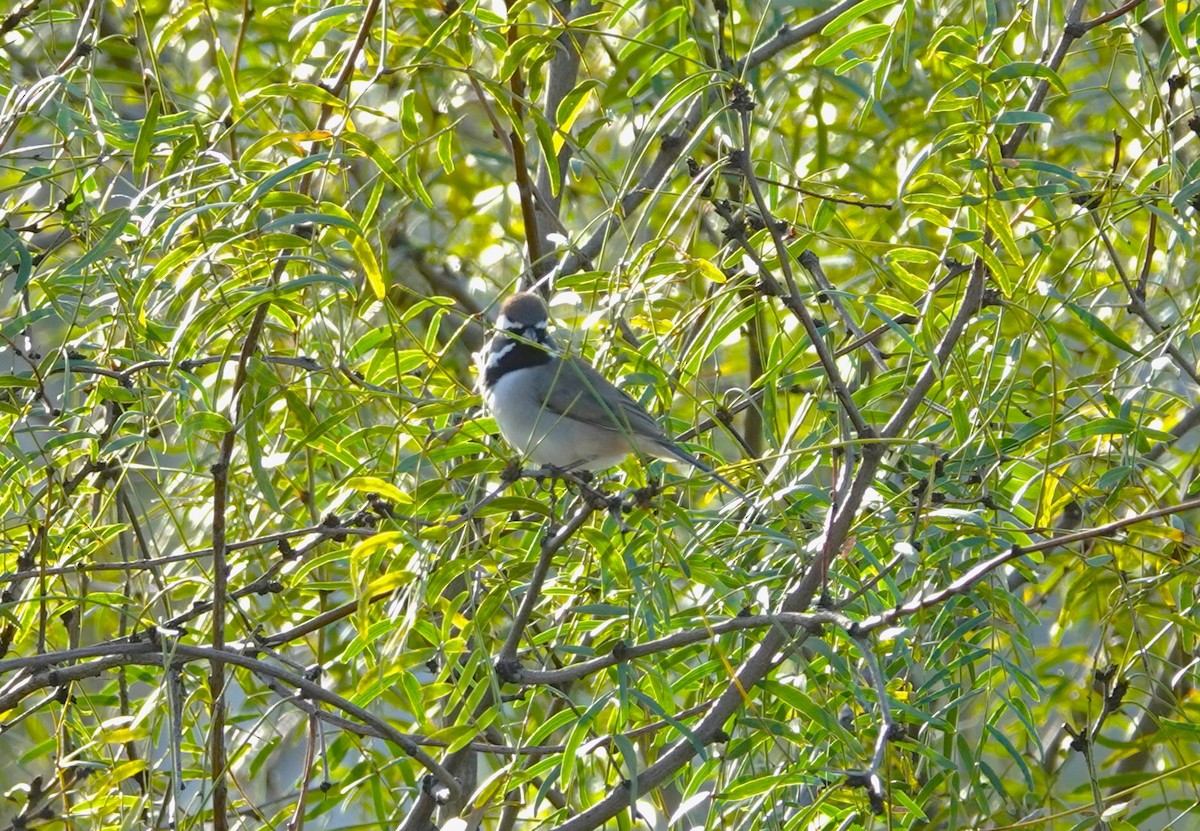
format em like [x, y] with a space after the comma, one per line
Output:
[319, 622]
[673, 144]
[671, 147]
[506, 660]
[755, 397]
[81, 48]
[1165, 688]
[262, 584]
[497, 748]
[13, 19]
[1109, 17]
[325, 531]
[762, 660]
[112, 655]
[36, 542]
[972, 300]
[811, 263]
[977, 573]
[560, 80]
[1137, 299]
[542, 200]
[1073, 29]
[296, 823]
[796, 305]
[220, 470]
[1148, 259]
[463, 760]
[812, 622]
[788, 36]
[516, 144]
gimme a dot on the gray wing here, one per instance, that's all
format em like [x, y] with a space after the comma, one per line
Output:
[591, 404]
[597, 402]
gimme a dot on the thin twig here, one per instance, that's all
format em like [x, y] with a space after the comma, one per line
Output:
[150, 654]
[982, 569]
[622, 653]
[326, 532]
[1073, 29]
[533, 592]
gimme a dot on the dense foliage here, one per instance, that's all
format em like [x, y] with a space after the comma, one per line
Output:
[920, 278]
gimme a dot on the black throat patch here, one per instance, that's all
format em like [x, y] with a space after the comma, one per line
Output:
[514, 354]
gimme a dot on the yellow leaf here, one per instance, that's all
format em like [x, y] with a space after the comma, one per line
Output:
[373, 484]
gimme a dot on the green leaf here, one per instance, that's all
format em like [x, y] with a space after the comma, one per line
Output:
[569, 109]
[1101, 427]
[527, 53]
[254, 448]
[387, 166]
[362, 249]
[271, 182]
[1013, 117]
[1171, 20]
[854, 13]
[1027, 69]
[547, 138]
[205, 426]
[229, 83]
[373, 484]
[409, 127]
[445, 151]
[848, 41]
[309, 22]
[145, 139]
[1101, 329]
[300, 92]
[14, 253]
[412, 175]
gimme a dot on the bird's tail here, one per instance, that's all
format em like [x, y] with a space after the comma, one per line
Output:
[677, 452]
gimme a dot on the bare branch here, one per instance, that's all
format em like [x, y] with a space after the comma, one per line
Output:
[113, 655]
[984, 568]
[1072, 30]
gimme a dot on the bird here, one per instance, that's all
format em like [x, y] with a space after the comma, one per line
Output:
[557, 410]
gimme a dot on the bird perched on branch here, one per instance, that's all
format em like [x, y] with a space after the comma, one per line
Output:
[557, 410]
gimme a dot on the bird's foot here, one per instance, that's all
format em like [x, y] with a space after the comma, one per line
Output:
[643, 497]
[616, 509]
[512, 472]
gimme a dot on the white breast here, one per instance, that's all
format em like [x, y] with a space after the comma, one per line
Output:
[548, 438]
[514, 411]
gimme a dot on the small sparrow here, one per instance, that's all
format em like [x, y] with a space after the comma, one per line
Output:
[557, 410]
